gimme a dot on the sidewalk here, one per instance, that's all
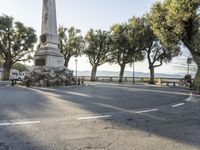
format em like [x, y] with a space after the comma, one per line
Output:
[126, 83]
[5, 83]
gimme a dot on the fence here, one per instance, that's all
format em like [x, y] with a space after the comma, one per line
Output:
[166, 81]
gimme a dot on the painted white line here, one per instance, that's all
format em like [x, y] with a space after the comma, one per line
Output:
[189, 98]
[177, 105]
[20, 123]
[145, 111]
[27, 122]
[5, 124]
[94, 117]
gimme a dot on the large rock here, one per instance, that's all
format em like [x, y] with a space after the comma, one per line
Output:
[46, 76]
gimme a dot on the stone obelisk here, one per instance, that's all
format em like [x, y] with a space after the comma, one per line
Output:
[48, 55]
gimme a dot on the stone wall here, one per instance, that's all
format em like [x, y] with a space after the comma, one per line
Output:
[50, 77]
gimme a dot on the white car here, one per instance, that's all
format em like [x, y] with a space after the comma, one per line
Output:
[20, 77]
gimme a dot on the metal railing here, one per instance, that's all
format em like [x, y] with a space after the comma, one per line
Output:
[166, 81]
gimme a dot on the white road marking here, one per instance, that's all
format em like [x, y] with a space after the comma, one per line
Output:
[94, 117]
[5, 124]
[145, 111]
[61, 91]
[20, 123]
[26, 122]
[189, 98]
[177, 105]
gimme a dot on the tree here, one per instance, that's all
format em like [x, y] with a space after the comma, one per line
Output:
[97, 49]
[20, 67]
[125, 46]
[156, 53]
[1, 61]
[71, 43]
[16, 42]
[178, 22]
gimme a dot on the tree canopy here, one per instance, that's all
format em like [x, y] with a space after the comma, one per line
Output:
[97, 49]
[16, 42]
[125, 45]
[71, 42]
[20, 67]
[156, 53]
[178, 22]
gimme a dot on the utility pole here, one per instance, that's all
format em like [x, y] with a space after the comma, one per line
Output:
[76, 67]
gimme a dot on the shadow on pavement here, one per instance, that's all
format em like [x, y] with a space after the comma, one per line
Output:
[181, 125]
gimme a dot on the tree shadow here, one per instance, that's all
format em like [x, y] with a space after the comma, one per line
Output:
[21, 105]
[181, 125]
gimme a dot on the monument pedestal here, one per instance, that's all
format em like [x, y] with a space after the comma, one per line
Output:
[50, 76]
[48, 57]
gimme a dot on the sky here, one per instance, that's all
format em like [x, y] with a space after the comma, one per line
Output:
[86, 14]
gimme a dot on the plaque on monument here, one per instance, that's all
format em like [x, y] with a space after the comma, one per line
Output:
[40, 62]
[43, 38]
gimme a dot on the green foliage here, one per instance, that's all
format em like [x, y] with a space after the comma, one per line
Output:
[16, 42]
[177, 22]
[126, 44]
[20, 67]
[71, 42]
[1, 61]
[157, 54]
[174, 20]
[97, 47]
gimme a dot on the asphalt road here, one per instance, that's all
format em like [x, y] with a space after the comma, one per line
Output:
[99, 116]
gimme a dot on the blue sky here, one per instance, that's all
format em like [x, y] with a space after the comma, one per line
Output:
[85, 14]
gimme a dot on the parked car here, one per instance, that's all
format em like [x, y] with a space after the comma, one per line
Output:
[20, 77]
[14, 74]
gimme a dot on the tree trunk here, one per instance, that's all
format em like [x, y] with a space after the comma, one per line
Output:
[196, 59]
[152, 76]
[7, 67]
[197, 76]
[93, 74]
[67, 61]
[121, 74]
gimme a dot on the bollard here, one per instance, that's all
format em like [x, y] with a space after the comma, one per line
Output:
[79, 81]
[48, 83]
[13, 83]
[28, 83]
[66, 82]
[82, 80]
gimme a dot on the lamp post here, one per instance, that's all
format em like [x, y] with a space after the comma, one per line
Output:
[189, 61]
[133, 71]
[76, 67]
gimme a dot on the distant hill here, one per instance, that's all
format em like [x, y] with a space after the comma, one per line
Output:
[129, 74]
[126, 74]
